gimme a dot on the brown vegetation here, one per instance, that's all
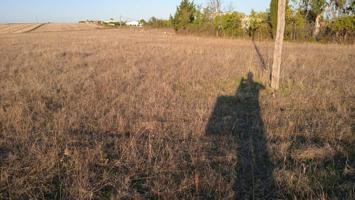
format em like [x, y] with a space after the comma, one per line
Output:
[124, 114]
[52, 27]
[17, 28]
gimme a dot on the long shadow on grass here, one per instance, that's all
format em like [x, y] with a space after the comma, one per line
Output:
[239, 115]
[260, 56]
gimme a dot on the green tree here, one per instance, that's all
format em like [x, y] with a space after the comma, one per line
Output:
[342, 27]
[273, 16]
[296, 26]
[143, 22]
[315, 9]
[184, 16]
[230, 24]
[252, 22]
[158, 23]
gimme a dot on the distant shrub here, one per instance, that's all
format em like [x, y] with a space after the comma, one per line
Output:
[253, 22]
[157, 23]
[343, 28]
[297, 27]
[190, 18]
[229, 24]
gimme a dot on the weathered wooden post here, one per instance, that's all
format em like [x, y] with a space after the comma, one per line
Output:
[275, 73]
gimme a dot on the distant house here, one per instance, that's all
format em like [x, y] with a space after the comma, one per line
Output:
[111, 22]
[134, 23]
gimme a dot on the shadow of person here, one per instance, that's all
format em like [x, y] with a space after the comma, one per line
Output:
[239, 116]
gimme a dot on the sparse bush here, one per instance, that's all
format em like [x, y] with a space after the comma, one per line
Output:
[252, 23]
[297, 27]
[158, 23]
[342, 28]
[230, 24]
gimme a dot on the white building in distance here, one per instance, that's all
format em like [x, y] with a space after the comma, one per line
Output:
[134, 23]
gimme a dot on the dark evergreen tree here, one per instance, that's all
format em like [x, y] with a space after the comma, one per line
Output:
[185, 15]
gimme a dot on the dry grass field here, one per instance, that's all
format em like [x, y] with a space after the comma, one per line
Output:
[52, 27]
[17, 28]
[147, 114]
[66, 27]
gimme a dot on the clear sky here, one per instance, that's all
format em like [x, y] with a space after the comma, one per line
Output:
[75, 10]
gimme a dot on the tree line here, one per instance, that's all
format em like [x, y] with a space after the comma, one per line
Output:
[321, 20]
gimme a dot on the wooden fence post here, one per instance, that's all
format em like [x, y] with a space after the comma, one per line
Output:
[276, 66]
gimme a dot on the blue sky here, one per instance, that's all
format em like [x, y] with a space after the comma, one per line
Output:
[75, 10]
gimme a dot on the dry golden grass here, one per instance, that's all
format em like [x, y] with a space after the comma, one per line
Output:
[122, 114]
[17, 28]
[66, 27]
[49, 27]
